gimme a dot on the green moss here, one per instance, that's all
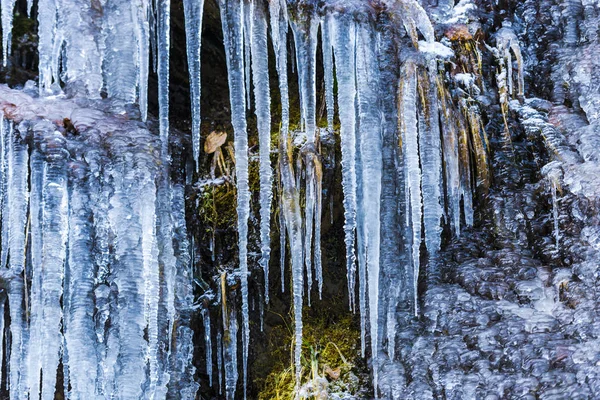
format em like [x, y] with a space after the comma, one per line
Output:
[215, 206]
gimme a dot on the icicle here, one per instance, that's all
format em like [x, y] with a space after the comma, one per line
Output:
[194, 11]
[553, 172]
[343, 39]
[168, 276]
[248, 16]
[282, 245]
[393, 260]
[318, 173]
[2, 304]
[80, 337]
[143, 45]
[369, 131]
[328, 69]
[220, 361]
[466, 191]
[182, 371]
[48, 220]
[121, 34]
[82, 59]
[207, 344]
[126, 344]
[232, 23]
[151, 275]
[4, 145]
[431, 163]
[48, 65]
[290, 202]
[479, 141]
[7, 8]
[17, 203]
[414, 18]
[163, 11]
[262, 100]
[305, 26]
[555, 216]
[451, 160]
[410, 141]
[230, 356]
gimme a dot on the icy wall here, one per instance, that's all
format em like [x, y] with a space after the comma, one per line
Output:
[441, 143]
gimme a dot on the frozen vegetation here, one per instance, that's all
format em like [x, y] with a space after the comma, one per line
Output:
[461, 136]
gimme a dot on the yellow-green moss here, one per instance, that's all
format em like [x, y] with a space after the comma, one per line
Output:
[329, 345]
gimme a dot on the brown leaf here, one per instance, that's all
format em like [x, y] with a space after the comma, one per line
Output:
[214, 141]
[333, 373]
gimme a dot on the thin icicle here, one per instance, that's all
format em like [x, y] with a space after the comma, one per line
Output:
[207, 344]
[151, 279]
[410, 140]
[232, 23]
[7, 8]
[230, 356]
[282, 246]
[343, 38]
[163, 11]
[194, 11]
[143, 44]
[47, 33]
[328, 68]
[248, 16]
[262, 100]
[4, 145]
[451, 160]
[2, 305]
[220, 361]
[318, 171]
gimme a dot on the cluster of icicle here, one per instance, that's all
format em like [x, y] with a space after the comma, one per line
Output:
[411, 159]
[94, 267]
[96, 47]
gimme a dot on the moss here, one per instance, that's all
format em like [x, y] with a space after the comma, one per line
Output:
[215, 206]
[330, 350]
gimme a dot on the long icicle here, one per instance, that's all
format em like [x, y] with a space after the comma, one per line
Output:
[289, 192]
[431, 160]
[370, 132]
[163, 11]
[262, 106]
[305, 26]
[17, 203]
[410, 140]
[143, 39]
[7, 9]
[328, 68]
[232, 24]
[194, 11]
[343, 34]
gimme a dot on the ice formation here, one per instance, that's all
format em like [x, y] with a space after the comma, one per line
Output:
[108, 283]
[95, 255]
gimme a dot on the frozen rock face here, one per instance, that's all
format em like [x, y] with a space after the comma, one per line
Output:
[468, 213]
[95, 263]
